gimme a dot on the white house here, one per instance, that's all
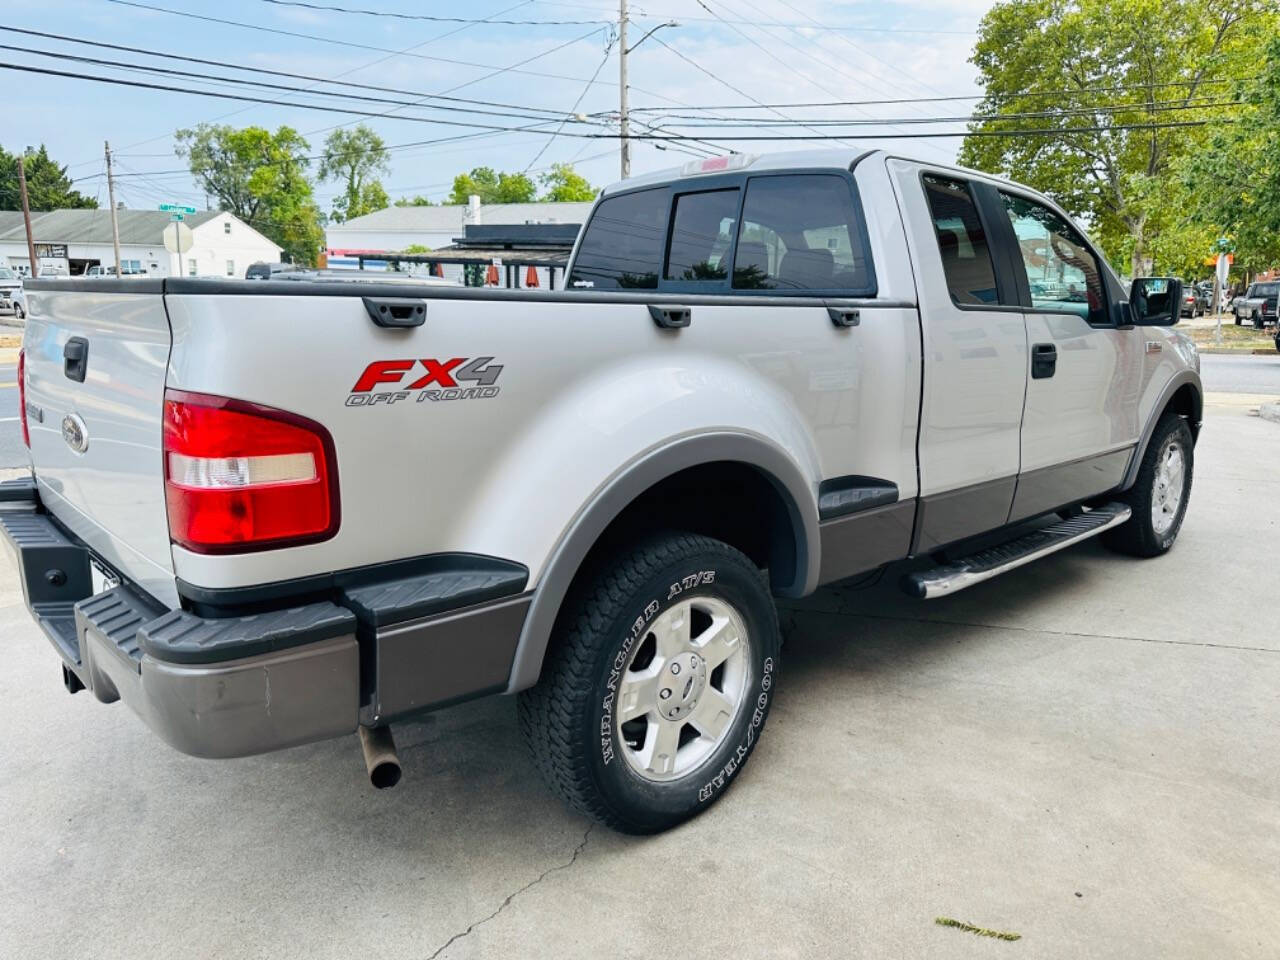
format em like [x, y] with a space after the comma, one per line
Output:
[394, 229]
[68, 242]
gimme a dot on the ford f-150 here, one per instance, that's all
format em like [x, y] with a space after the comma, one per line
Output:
[264, 513]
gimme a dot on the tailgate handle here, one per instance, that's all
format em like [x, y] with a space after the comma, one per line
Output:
[75, 359]
[396, 311]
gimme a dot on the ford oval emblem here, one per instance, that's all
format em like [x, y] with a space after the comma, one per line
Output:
[75, 433]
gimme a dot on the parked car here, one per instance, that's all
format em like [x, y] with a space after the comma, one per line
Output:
[765, 374]
[1190, 305]
[18, 303]
[270, 271]
[10, 283]
[1204, 296]
[98, 272]
[1259, 304]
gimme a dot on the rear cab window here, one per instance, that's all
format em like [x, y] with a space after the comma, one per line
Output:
[623, 243]
[772, 233]
[962, 242]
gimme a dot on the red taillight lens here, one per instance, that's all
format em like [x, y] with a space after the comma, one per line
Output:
[22, 395]
[242, 477]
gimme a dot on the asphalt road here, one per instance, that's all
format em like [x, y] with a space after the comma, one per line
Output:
[1081, 752]
[1247, 374]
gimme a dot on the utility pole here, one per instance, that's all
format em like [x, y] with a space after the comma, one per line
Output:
[624, 121]
[111, 198]
[26, 218]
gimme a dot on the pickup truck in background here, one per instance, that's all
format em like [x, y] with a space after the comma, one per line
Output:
[269, 512]
[1258, 305]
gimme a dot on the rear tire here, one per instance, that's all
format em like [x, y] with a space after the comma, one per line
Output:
[611, 723]
[1159, 496]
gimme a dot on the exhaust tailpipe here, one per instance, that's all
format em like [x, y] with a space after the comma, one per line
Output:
[380, 756]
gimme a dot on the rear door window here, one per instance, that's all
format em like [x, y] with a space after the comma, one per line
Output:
[702, 229]
[962, 241]
[801, 232]
[622, 246]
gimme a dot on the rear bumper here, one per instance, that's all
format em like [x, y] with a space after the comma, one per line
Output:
[240, 683]
[301, 683]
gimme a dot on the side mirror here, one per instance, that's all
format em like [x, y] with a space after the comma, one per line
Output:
[1156, 301]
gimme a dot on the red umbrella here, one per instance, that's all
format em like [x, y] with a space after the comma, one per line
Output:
[531, 276]
[491, 276]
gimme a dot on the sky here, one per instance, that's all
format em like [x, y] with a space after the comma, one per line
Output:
[729, 54]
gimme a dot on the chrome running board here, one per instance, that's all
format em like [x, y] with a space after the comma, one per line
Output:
[952, 577]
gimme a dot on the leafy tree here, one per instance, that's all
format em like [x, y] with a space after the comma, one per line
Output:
[418, 201]
[565, 185]
[1234, 184]
[355, 157]
[416, 248]
[261, 177]
[1088, 70]
[492, 187]
[48, 187]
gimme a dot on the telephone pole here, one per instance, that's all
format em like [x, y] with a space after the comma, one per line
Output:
[624, 121]
[26, 218]
[111, 198]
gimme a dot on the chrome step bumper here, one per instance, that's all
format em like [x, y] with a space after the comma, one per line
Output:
[952, 577]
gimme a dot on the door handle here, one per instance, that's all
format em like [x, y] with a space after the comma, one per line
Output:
[671, 318]
[75, 359]
[1044, 361]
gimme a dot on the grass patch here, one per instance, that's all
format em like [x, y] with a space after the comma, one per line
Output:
[1241, 338]
[977, 931]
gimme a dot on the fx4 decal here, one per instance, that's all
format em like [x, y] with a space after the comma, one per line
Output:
[455, 379]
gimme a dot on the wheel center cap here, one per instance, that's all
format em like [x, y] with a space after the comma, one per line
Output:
[680, 684]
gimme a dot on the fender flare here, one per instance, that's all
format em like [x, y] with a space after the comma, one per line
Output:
[617, 494]
[1176, 383]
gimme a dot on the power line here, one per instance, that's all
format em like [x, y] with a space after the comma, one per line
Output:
[328, 8]
[572, 110]
[278, 73]
[345, 95]
[955, 97]
[259, 28]
[823, 26]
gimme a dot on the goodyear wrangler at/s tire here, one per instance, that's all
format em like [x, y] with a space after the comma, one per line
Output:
[657, 685]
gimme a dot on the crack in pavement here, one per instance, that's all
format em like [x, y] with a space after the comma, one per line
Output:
[1044, 630]
[577, 851]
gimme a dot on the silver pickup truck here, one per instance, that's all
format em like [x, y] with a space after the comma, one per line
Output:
[264, 513]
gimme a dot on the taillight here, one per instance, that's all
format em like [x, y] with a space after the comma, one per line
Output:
[241, 477]
[22, 395]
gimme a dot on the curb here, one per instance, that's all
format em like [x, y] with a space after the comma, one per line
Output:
[1270, 411]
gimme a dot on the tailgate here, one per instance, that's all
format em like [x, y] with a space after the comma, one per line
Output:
[95, 442]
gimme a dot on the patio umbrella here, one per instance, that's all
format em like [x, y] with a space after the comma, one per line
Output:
[531, 276]
[491, 276]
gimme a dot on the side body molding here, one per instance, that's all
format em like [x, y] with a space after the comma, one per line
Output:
[1179, 380]
[795, 490]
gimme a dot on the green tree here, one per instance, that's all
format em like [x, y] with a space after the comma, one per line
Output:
[355, 157]
[261, 177]
[565, 185]
[1234, 184]
[492, 187]
[417, 201]
[1091, 69]
[48, 187]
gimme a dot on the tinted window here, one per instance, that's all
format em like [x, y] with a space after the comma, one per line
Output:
[701, 233]
[966, 259]
[1061, 269]
[622, 248]
[800, 233]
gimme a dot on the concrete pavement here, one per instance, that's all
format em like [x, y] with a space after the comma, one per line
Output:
[1083, 752]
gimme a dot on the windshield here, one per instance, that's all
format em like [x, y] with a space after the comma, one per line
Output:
[6, 274]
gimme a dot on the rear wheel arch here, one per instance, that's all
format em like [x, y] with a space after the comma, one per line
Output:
[770, 493]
